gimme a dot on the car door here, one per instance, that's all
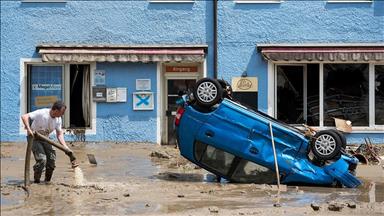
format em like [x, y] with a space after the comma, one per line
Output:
[228, 129]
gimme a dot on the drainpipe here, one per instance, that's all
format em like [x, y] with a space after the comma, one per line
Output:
[215, 39]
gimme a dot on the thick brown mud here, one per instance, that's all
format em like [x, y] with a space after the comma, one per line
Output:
[129, 181]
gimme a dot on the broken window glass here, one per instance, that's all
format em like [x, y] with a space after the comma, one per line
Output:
[346, 93]
[290, 94]
[298, 94]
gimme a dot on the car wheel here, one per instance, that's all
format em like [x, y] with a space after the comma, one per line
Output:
[342, 138]
[326, 145]
[208, 92]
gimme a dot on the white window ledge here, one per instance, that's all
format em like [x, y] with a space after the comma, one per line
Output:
[171, 1]
[43, 1]
[349, 1]
[257, 2]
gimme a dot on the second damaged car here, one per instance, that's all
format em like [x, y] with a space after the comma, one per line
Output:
[235, 142]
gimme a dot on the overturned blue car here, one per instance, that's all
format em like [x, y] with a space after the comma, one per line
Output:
[235, 142]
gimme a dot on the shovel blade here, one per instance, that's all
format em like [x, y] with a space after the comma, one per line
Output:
[92, 159]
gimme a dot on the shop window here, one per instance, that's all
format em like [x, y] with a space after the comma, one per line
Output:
[297, 91]
[346, 93]
[45, 86]
[48, 83]
[345, 89]
[379, 94]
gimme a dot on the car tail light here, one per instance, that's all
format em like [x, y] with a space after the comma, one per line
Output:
[179, 114]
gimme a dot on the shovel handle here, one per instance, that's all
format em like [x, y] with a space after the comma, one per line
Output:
[46, 139]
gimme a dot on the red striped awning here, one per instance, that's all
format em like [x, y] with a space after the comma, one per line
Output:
[89, 53]
[319, 53]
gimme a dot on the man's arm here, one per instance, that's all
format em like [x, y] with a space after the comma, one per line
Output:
[60, 137]
[25, 119]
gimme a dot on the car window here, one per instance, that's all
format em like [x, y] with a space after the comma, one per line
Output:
[247, 171]
[213, 158]
[234, 168]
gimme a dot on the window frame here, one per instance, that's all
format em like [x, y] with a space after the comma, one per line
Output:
[272, 110]
[24, 92]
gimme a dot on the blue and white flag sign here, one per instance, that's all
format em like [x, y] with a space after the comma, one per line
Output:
[143, 101]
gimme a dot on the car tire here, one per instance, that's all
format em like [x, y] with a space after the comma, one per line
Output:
[326, 145]
[342, 138]
[207, 92]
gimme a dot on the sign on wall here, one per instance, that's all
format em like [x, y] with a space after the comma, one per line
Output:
[45, 101]
[244, 84]
[116, 95]
[99, 77]
[143, 84]
[180, 69]
[143, 101]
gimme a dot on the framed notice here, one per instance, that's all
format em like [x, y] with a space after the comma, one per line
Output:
[121, 94]
[99, 77]
[111, 95]
[143, 101]
[143, 84]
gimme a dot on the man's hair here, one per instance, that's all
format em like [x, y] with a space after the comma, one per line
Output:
[58, 105]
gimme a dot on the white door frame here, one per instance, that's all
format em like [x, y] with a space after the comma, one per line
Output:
[163, 93]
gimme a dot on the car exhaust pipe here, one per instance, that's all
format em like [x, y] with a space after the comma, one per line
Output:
[68, 152]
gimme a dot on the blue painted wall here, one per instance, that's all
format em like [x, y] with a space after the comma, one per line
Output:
[241, 28]
[25, 25]
[118, 121]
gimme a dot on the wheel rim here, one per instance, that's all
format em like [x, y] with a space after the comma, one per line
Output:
[207, 92]
[325, 144]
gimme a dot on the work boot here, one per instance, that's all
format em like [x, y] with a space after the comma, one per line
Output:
[48, 175]
[36, 177]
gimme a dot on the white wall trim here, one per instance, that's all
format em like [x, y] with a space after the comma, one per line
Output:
[271, 89]
[23, 94]
[160, 104]
[321, 95]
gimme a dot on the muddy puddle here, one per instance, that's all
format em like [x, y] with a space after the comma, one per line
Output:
[128, 181]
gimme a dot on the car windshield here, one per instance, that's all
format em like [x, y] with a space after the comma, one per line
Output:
[232, 167]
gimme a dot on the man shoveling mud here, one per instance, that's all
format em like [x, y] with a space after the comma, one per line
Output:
[45, 121]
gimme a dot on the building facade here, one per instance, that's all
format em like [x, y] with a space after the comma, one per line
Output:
[119, 65]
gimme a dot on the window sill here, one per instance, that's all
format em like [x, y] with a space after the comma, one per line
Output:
[348, 2]
[257, 2]
[44, 1]
[171, 1]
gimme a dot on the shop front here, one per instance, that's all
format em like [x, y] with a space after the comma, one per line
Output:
[113, 93]
[314, 84]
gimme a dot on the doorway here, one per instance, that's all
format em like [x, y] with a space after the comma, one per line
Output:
[79, 96]
[174, 89]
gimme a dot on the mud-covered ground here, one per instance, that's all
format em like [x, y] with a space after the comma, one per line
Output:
[129, 181]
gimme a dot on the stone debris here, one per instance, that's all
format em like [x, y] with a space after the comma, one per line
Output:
[351, 205]
[335, 206]
[213, 209]
[160, 154]
[315, 206]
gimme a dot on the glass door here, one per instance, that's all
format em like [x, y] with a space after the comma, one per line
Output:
[174, 87]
